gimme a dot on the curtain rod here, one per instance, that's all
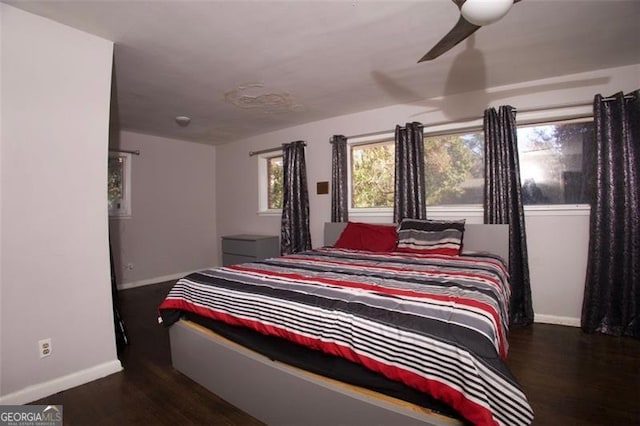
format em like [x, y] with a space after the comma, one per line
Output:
[136, 152]
[463, 120]
[265, 151]
[613, 98]
[574, 105]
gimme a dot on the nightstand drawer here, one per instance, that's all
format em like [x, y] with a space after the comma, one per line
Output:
[238, 246]
[234, 259]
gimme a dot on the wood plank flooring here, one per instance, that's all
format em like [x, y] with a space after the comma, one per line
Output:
[570, 378]
[149, 391]
[573, 378]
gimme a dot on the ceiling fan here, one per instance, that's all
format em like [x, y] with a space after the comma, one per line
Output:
[473, 15]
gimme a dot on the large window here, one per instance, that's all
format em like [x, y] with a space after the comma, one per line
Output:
[119, 184]
[551, 162]
[453, 169]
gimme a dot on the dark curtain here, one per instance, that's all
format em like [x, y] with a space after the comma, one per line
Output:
[410, 194]
[294, 234]
[339, 207]
[503, 204]
[612, 290]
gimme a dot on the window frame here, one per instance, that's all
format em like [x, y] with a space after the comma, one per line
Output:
[263, 184]
[125, 211]
[540, 116]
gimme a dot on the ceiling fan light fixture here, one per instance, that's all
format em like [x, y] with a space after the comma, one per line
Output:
[485, 12]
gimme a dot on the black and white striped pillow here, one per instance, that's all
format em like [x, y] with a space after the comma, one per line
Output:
[431, 236]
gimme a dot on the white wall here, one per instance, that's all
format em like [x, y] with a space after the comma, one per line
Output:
[557, 241]
[1, 137]
[172, 229]
[55, 262]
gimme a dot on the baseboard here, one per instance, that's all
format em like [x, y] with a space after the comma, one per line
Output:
[41, 390]
[156, 280]
[557, 320]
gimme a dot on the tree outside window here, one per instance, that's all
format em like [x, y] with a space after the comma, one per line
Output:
[275, 174]
[119, 184]
[453, 168]
[372, 173]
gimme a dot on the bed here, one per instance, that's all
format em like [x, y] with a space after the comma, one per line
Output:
[430, 326]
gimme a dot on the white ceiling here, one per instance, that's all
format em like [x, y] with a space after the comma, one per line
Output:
[243, 68]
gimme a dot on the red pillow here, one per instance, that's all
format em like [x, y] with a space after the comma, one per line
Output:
[364, 236]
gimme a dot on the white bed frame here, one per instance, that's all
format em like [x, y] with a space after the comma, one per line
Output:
[279, 394]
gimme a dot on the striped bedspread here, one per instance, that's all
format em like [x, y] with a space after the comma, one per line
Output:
[435, 323]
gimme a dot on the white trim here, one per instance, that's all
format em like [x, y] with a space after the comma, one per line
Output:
[557, 320]
[557, 210]
[270, 212]
[42, 390]
[379, 212]
[157, 280]
[462, 211]
[475, 210]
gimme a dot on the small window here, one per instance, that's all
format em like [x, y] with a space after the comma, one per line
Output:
[119, 184]
[271, 182]
[551, 162]
[275, 175]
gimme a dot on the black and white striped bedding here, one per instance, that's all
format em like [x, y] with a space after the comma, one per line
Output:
[436, 323]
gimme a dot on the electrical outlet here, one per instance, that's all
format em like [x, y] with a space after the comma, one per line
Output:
[44, 347]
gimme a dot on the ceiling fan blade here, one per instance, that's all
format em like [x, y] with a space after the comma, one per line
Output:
[459, 32]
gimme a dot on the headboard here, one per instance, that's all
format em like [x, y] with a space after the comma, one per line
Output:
[477, 237]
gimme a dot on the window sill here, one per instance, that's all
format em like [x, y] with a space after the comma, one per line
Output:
[558, 210]
[118, 217]
[269, 212]
[378, 212]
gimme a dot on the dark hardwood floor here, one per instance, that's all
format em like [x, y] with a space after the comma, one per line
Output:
[148, 391]
[573, 378]
[569, 377]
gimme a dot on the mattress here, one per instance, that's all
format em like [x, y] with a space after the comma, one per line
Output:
[435, 324]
